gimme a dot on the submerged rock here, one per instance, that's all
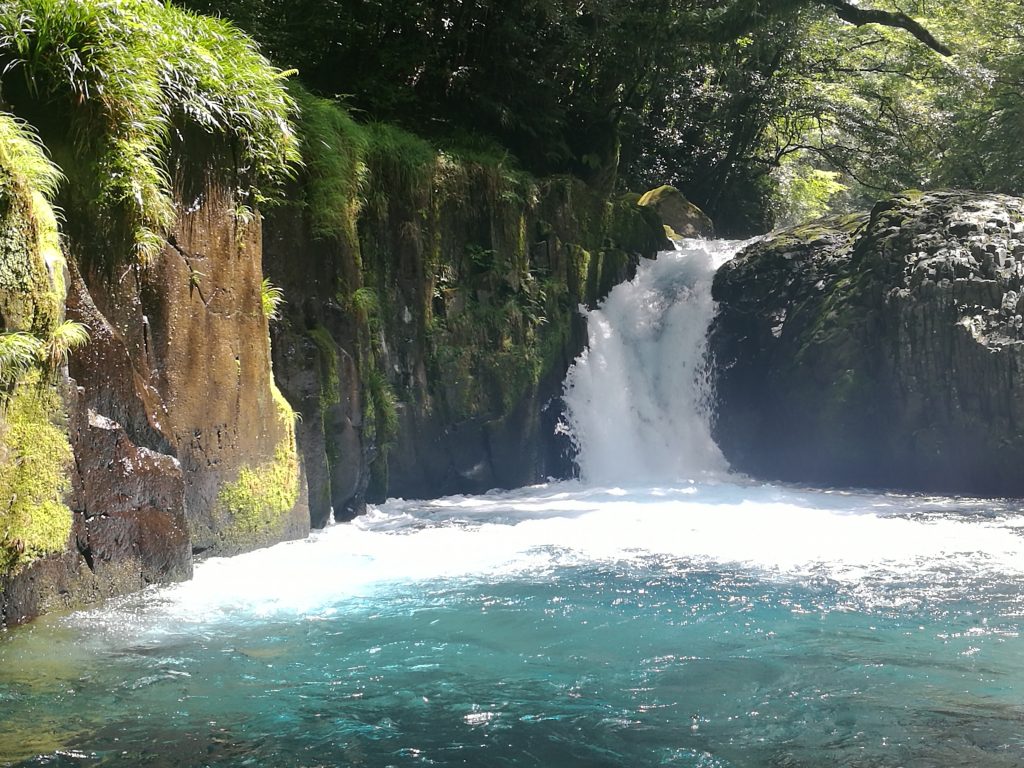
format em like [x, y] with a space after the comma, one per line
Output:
[883, 350]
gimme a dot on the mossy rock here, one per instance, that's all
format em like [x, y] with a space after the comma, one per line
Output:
[636, 228]
[678, 213]
[257, 504]
[35, 464]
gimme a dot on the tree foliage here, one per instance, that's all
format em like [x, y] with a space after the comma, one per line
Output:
[725, 99]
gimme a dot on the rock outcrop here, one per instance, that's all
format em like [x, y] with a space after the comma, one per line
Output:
[181, 442]
[165, 435]
[884, 350]
[680, 216]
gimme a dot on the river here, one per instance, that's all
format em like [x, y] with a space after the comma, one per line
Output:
[660, 611]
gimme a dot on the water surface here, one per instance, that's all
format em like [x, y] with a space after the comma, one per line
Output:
[714, 624]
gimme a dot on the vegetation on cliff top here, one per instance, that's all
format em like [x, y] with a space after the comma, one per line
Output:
[736, 103]
[120, 81]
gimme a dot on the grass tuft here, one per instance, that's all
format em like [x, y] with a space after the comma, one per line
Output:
[22, 155]
[272, 299]
[334, 149]
[67, 336]
[19, 351]
[130, 74]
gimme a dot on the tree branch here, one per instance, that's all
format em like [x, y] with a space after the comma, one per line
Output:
[853, 14]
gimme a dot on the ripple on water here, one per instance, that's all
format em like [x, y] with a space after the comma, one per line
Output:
[707, 625]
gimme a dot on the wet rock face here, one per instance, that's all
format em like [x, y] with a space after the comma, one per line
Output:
[128, 491]
[180, 443]
[180, 360]
[317, 361]
[885, 351]
[129, 527]
[208, 348]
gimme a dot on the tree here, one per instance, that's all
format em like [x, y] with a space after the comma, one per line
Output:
[694, 92]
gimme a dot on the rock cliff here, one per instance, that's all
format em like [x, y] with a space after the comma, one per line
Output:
[425, 341]
[181, 443]
[884, 350]
[139, 420]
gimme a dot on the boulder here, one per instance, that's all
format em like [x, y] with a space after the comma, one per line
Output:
[682, 217]
[883, 350]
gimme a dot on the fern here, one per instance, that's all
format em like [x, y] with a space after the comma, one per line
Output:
[134, 69]
[272, 299]
[54, 351]
[18, 353]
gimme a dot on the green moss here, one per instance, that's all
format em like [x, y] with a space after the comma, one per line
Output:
[400, 164]
[36, 462]
[31, 261]
[124, 76]
[258, 501]
[634, 228]
[330, 393]
[334, 149]
[365, 303]
[658, 195]
[380, 426]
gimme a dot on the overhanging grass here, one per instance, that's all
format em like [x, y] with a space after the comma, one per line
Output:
[22, 157]
[400, 164]
[128, 73]
[31, 261]
[334, 148]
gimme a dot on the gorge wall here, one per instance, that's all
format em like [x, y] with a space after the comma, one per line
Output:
[179, 441]
[426, 354]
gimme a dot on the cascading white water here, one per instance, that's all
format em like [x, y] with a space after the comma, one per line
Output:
[636, 399]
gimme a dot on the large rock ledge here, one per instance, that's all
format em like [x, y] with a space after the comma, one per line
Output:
[883, 351]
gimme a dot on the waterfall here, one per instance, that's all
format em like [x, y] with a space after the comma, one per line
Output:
[637, 398]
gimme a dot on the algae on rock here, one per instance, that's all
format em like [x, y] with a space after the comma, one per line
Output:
[35, 475]
[254, 507]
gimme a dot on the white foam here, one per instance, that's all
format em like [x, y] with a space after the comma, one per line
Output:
[530, 533]
[636, 401]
